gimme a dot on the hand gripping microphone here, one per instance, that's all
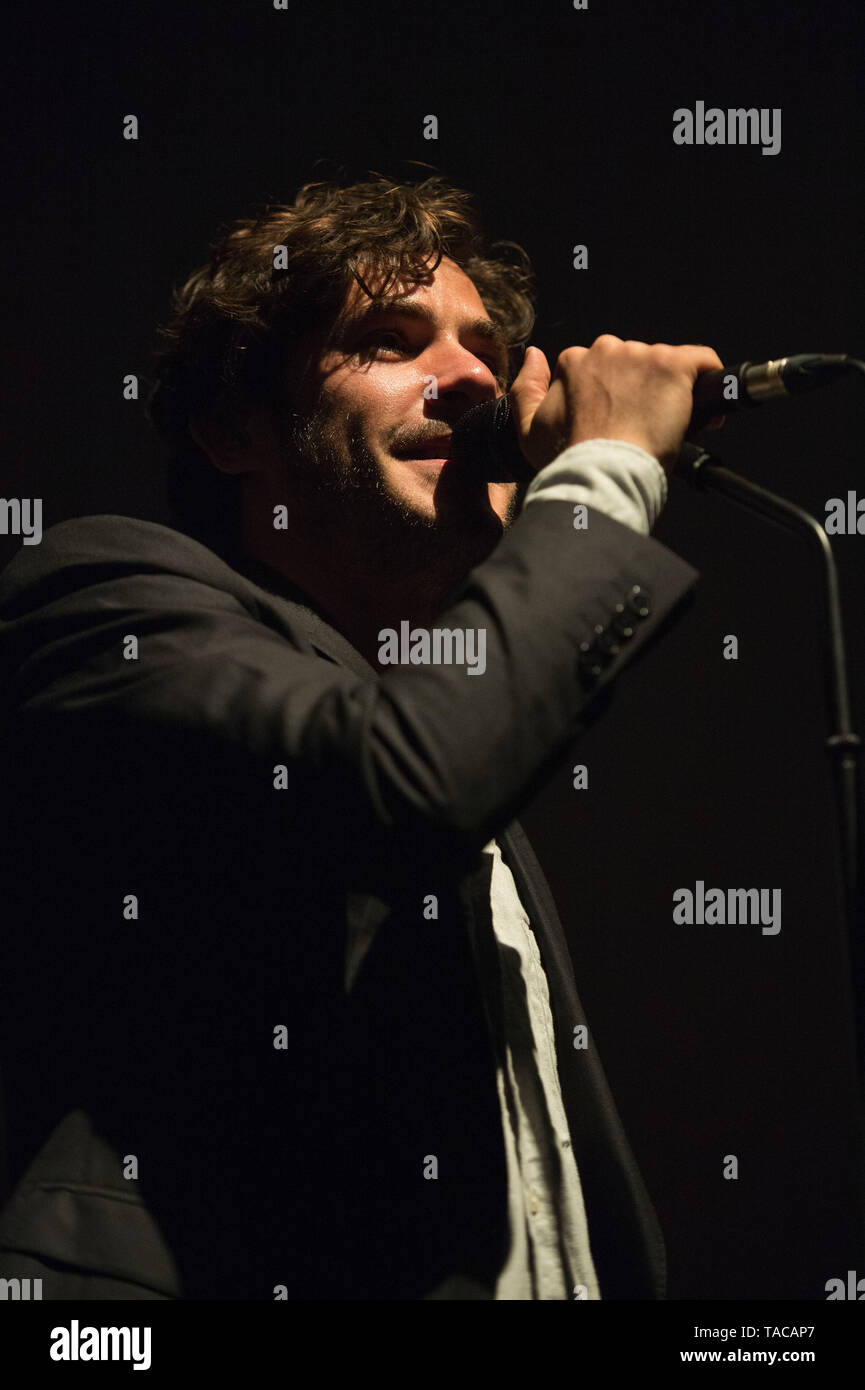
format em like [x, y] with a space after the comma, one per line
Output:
[485, 437]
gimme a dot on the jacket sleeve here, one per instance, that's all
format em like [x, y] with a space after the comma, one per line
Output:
[420, 758]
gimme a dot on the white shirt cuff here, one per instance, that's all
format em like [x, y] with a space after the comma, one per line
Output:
[619, 479]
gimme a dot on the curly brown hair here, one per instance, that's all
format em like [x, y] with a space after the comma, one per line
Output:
[237, 321]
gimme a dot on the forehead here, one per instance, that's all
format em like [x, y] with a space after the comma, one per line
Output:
[448, 290]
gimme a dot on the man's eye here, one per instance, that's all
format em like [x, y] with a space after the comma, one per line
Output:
[380, 339]
[393, 341]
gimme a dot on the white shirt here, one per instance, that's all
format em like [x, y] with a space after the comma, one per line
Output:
[549, 1254]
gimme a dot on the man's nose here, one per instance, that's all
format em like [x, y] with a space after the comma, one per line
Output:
[459, 375]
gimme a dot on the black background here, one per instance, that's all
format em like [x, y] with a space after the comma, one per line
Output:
[717, 1040]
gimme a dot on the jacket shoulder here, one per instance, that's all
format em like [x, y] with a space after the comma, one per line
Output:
[99, 552]
[90, 549]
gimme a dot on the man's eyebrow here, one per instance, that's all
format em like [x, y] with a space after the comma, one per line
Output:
[479, 327]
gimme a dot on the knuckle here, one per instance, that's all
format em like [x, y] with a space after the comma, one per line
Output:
[668, 361]
[665, 355]
[569, 357]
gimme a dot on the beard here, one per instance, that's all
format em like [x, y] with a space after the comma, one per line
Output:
[340, 489]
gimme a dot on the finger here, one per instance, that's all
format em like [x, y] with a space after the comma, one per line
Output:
[701, 358]
[529, 387]
[536, 365]
[571, 356]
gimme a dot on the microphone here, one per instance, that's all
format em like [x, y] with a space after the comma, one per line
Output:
[485, 437]
[723, 389]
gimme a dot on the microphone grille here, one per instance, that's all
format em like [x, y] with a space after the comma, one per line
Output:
[484, 439]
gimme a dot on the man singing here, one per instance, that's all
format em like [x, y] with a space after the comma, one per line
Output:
[288, 1011]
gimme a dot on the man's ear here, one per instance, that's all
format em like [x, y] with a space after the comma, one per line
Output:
[227, 447]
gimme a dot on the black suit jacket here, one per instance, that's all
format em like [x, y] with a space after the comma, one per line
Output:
[222, 1000]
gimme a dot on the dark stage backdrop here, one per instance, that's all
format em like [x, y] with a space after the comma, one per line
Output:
[718, 1040]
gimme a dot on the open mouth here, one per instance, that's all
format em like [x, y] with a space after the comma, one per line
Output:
[434, 451]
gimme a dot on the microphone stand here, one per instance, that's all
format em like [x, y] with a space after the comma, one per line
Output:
[707, 473]
[485, 438]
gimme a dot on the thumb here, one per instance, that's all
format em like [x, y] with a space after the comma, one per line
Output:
[529, 388]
